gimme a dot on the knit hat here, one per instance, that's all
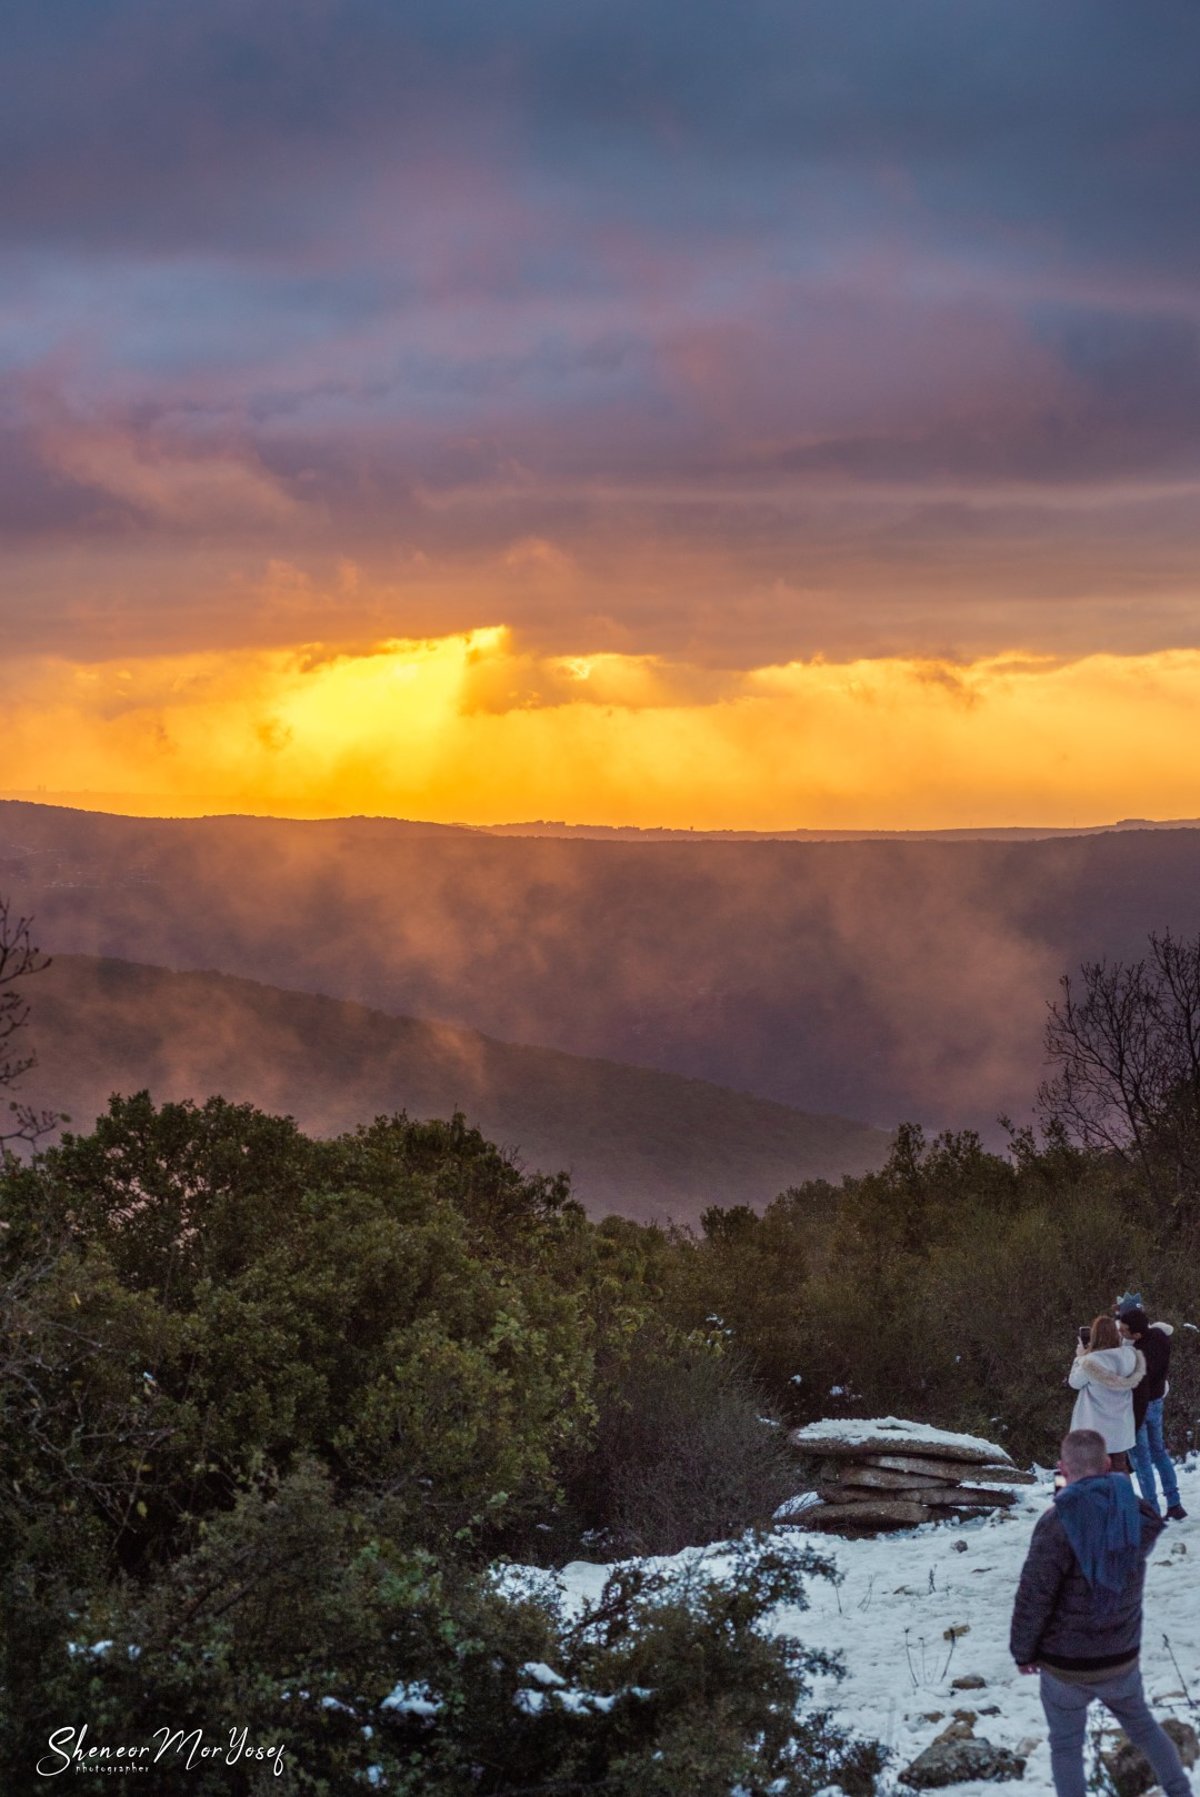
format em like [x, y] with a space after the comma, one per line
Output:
[1130, 1301]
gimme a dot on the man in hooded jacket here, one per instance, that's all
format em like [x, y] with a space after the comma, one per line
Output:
[1077, 1619]
[1153, 1342]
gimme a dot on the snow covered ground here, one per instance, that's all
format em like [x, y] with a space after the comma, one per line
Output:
[901, 1595]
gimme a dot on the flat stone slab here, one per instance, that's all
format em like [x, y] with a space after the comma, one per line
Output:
[862, 1438]
[967, 1497]
[951, 1469]
[885, 1478]
[884, 1513]
[855, 1497]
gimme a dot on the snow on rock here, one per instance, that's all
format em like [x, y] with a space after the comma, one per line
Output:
[793, 1506]
[884, 1434]
[914, 1619]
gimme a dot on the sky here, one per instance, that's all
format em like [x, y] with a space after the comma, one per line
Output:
[771, 415]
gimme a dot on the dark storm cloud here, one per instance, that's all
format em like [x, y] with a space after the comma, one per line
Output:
[847, 295]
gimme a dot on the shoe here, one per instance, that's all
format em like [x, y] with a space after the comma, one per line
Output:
[1177, 1513]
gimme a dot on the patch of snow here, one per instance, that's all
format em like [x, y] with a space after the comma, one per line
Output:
[541, 1674]
[902, 1592]
[804, 1500]
[413, 1699]
[575, 1703]
[335, 1703]
[583, 1703]
[855, 1429]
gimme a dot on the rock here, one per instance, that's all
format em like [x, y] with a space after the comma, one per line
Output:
[966, 1497]
[969, 1681]
[884, 1478]
[971, 1716]
[865, 1439]
[1131, 1772]
[958, 1730]
[1001, 1475]
[931, 1465]
[884, 1513]
[862, 1494]
[958, 1762]
[813, 1516]
[960, 1547]
[1005, 1474]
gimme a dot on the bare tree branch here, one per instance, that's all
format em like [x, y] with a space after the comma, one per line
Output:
[1126, 1043]
[19, 958]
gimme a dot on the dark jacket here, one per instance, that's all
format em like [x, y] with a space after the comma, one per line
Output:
[1055, 1617]
[1155, 1344]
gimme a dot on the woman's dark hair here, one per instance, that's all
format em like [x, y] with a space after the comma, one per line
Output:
[1105, 1333]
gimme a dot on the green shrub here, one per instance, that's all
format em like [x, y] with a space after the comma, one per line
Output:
[295, 1620]
[684, 1452]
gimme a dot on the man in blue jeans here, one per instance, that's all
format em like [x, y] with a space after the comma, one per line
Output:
[1149, 1452]
[1077, 1619]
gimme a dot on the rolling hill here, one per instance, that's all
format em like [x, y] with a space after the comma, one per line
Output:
[641, 1143]
[877, 979]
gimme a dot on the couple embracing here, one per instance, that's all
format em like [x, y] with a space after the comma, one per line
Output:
[1120, 1373]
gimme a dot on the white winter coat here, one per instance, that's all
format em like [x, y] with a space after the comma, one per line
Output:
[1104, 1379]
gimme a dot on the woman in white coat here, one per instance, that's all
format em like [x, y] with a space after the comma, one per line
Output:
[1105, 1372]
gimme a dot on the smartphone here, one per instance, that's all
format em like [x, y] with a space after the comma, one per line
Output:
[1085, 1335]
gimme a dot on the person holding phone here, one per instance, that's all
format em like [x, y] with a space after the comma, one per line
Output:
[1104, 1373]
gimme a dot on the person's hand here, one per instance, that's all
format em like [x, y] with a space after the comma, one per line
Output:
[1026, 1668]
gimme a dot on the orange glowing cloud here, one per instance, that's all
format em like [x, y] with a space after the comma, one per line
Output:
[475, 728]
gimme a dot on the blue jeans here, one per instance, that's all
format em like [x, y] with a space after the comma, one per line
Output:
[1066, 1708]
[1149, 1453]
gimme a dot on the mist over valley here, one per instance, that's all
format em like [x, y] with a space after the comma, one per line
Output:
[873, 980]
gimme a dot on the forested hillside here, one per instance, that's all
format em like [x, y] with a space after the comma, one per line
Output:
[272, 1408]
[635, 1141]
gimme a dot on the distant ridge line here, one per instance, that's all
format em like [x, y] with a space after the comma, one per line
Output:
[112, 805]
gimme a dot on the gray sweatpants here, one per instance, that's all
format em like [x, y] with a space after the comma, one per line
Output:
[1066, 1708]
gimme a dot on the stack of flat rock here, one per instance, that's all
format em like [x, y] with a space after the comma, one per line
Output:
[883, 1473]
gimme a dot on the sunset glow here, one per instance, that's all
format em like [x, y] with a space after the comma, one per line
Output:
[473, 412]
[474, 728]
